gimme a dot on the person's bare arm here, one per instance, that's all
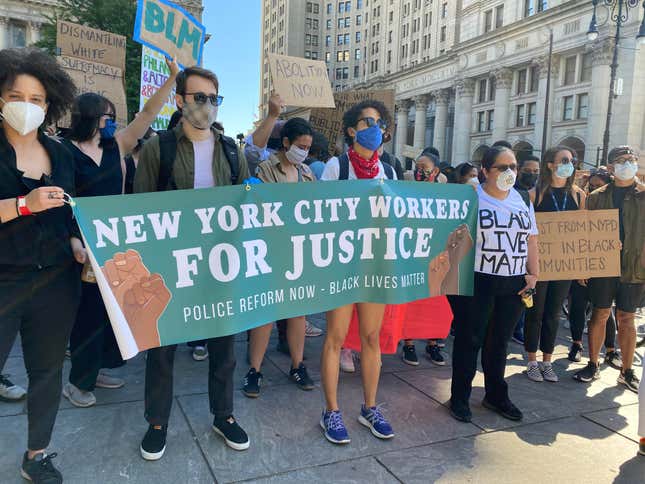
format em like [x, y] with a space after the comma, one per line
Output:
[261, 135]
[37, 200]
[532, 264]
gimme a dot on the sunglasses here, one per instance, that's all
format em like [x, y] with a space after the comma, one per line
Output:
[565, 161]
[201, 98]
[501, 168]
[373, 122]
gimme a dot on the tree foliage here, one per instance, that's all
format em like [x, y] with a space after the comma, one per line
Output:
[116, 16]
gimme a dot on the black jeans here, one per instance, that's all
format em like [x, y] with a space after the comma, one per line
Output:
[491, 315]
[541, 324]
[159, 380]
[579, 300]
[92, 342]
[41, 305]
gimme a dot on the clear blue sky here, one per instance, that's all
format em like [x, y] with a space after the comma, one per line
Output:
[233, 53]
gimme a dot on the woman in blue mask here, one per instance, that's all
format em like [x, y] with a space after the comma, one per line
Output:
[555, 192]
[99, 149]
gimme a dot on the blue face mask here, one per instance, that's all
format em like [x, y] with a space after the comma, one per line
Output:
[564, 170]
[108, 131]
[370, 138]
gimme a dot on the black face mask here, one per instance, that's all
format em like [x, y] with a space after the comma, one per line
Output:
[528, 179]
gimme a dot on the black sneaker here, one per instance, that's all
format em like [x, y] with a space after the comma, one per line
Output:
[628, 379]
[153, 444]
[433, 353]
[234, 436]
[301, 378]
[588, 373]
[460, 412]
[506, 409]
[40, 469]
[575, 353]
[613, 359]
[410, 355]
[252, 383]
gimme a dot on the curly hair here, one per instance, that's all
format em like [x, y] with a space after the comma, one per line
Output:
[353, 115]
[59, 86]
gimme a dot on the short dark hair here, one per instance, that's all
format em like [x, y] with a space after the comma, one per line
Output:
[319, 147]
[492, 153]
[295, 128]
[183, 76]
[619, 151]
[353, 115]
[502, 143]
[432, 150]
[464, 168]
[59, 86]
[86, 115]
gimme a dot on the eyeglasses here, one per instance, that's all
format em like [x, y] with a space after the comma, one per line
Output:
[500, 168]
[626, 159]
[373, 122]
[200, 98]
[565, 160]
[112, 116]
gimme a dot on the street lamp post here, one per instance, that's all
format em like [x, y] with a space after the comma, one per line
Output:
[619, 15]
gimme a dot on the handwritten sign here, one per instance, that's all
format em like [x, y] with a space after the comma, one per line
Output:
[301, 82]
[154, 73]
[578, 244]
[170, 30]
[95, 60]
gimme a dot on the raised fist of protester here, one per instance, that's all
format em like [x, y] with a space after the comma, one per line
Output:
[45, 198]
[173, 66]
[275, 105]
[437, 271]
[143, 304]
[123, 271]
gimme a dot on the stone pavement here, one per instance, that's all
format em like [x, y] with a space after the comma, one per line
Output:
[571, 432]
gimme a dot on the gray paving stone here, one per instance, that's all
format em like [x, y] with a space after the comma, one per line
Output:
[283, 425]
[16, 369]
[623, 420]
[568, 450]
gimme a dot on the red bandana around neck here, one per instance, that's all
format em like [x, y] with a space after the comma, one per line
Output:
[362, 167]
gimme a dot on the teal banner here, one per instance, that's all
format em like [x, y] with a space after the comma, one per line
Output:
[195, 264]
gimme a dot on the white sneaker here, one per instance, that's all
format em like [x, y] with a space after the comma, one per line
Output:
[77, 397]
[548, 373]
[533, 371]
[312, 331]
[103, 380]
[200, 353]
[10, 392]
[347, 361]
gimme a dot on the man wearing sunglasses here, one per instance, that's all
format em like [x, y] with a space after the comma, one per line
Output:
[195, 154]
[626, 194]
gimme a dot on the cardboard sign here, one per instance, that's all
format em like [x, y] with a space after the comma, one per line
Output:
[170, 30]
[301, 82]
[330, 121]
[75, 40]
[578, 244]
[154, 73]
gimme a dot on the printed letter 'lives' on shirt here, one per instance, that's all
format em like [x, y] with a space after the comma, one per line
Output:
[504, 227]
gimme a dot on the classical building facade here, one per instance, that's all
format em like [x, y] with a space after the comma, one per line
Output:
[21, 21]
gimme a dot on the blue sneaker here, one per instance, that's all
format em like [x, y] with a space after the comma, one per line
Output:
[334, 427]
[373, 419]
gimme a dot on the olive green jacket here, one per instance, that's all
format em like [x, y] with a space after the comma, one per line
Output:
[183, 172]
[632, 262]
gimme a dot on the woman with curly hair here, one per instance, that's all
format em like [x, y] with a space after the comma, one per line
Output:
[39, 242]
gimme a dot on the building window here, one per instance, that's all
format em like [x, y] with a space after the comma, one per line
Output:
[583, 106]
[567, 108]
[359, 20]
[329, 24]
[481, 121]
[491, 120]
[359, 3]
[316, 8]
[346, 56]
[357, 72]
[570, 70]
[519, 116]
[443, 34]
[346, 39]
[357, 54]
[341, 7]
[327, 56]
[488, 21]
[330, 8]
[314, 55]
[17, 34]
[348, 6]
[483, 88]
[347, 22]
[499, 16]
[308, 39]
[521, 81]
[531, 7]
[585, 75]
[530, 115]
[444, 10]
[339, 73]
[358, 37]
[307, 54]
[339, 56]
[345, 72]
[340, 23]
[535, 79]
[327, 40]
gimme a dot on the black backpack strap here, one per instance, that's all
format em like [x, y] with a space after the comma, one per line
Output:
[230, 151]
[129, 174]
[167, 154]
[389, 171]
[525, 196]
[343, 165]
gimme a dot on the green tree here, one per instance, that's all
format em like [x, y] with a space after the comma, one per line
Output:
[116, 16]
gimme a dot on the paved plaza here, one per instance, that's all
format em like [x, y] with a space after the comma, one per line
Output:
[571, 432]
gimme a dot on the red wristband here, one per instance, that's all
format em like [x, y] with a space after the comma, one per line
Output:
[23, 209]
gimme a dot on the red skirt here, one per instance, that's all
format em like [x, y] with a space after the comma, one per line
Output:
[423, 319]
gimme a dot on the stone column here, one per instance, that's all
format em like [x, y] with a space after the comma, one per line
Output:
[503, 83]
[441, 100]
[597, 114]
[33, 34]
[543, 66]
[465, 89]
[4, 32]
[421, 113]
[402, 108]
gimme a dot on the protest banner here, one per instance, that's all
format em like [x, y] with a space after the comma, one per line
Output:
[95, 60]
[170, 30]
[301, 82]
[578, 244]
[330, 121]
[188, 265]
[154, 73]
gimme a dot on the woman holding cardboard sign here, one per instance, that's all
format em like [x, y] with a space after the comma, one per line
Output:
[99, 151]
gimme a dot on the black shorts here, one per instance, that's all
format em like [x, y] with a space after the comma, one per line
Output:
[604, 290]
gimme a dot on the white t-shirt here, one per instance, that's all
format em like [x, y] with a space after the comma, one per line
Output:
[504, 227]
[204, 162]
[332, 171]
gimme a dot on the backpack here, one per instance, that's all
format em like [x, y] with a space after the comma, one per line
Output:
[168, 153]
[525, 196]
[343, 162]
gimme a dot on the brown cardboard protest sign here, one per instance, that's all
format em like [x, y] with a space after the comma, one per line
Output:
[75, 40]
[578, 244]
[301, 82]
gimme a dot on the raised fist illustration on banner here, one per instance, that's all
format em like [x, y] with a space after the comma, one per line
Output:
[458, 245]
[123, 271]
[437, 270]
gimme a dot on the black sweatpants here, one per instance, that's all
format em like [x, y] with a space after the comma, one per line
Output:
[490, 317]
[41, 305]
[159, 380]
[541, 323]
[578, 301]
[92, 342]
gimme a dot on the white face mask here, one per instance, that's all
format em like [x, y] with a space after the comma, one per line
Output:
[506, 180]
[22, 116]
[296, 155]
[626, 171]
[473, 181]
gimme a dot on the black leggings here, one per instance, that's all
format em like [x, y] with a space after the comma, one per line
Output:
[578, 303]
[541, 323]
